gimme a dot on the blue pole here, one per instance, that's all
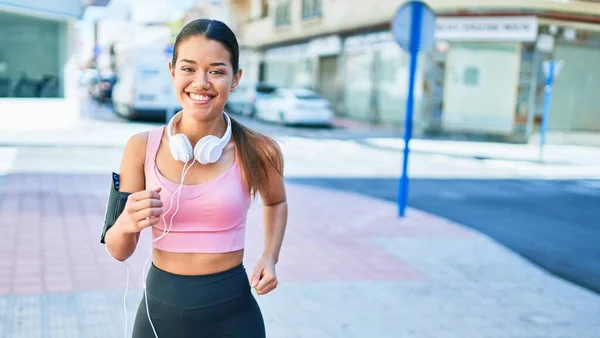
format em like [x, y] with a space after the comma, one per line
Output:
[415, 41]
[547, 96]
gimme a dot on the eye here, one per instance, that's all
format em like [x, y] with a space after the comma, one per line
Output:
[217, 72]
[187, 69]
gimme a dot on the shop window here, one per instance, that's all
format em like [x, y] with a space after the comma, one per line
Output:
[282, 12]
[311, 8]
[471, 76]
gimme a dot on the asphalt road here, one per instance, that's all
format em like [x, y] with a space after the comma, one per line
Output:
[553, 223]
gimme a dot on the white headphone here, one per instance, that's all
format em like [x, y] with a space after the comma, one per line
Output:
[207, 150]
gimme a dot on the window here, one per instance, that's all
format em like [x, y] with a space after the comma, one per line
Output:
[311, 8]
[264, 8]
[282, 13]
[471, 76]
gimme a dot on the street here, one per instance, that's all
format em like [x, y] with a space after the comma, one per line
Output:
[477, 121]
[349, 268]
[552, 222]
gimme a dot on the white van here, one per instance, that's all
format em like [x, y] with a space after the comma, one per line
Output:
[144, 90]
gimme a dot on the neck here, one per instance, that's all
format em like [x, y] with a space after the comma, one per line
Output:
[194, 130]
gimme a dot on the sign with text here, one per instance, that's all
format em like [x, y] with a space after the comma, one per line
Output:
[487, 28]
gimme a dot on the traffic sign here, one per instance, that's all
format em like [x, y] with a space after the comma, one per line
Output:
[413, 27]
[557, 67]
[414, 15]
[551, 70]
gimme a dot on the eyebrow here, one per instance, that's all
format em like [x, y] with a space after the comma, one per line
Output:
[214, 64]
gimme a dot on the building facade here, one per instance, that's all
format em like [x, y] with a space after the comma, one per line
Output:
[484, 75]
[37, 47]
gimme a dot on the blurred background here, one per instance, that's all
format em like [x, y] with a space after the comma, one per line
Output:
[501, 235]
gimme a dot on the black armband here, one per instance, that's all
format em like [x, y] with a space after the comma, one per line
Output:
[114, 206]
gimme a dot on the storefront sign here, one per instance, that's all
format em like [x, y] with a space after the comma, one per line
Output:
[329, 45]
[486, 28]
[287, 52]
[368, 41]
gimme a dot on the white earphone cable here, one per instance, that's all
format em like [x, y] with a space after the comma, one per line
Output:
[165, 232]
[126, 289]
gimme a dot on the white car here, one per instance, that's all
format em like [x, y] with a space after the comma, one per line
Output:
[243, 100]
[295, 106]
[144, 91]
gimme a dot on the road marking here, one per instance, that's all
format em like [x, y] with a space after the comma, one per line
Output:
[7, 159]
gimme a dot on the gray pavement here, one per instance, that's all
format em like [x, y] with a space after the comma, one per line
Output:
[349, 266]
[359, 272]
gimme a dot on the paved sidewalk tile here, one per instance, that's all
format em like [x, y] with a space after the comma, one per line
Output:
[349, 268]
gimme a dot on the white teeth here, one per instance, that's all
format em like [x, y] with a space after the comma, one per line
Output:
[198, 97]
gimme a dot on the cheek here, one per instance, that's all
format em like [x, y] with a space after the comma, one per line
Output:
[223, 86]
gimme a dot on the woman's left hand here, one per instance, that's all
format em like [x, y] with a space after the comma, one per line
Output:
[264, 278]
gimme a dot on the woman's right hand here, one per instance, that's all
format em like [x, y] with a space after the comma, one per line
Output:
[143, 209]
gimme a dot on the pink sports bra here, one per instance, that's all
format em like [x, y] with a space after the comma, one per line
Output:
[211, 216]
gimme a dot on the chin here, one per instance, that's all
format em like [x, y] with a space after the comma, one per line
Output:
[203, 113]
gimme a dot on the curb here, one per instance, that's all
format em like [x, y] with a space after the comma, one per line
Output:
[476, 157]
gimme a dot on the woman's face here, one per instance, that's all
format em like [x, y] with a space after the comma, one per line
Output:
[203, 76]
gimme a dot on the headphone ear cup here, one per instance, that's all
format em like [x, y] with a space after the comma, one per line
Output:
[205, 148]
[215, 154]
[180, 147]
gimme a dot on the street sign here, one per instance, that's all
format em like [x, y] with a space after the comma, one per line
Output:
[551, 70]
[419, 15]
[413, 26]
[557, 67]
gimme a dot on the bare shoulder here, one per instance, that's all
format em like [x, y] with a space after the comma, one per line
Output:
[135, 148]
[132, 163]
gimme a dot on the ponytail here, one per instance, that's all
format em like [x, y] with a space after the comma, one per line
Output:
[258, 155]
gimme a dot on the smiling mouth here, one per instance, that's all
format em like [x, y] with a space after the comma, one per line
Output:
[200, 98]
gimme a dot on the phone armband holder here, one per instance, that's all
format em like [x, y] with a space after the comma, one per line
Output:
[115, 205]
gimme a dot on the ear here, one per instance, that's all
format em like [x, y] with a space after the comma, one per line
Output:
[236, 79]
[172, 70]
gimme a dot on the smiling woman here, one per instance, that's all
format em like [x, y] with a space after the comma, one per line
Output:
[197, 285]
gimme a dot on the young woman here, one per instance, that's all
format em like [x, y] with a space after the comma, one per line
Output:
[192, 182]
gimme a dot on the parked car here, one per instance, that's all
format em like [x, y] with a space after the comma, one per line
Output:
[295, 106]
[101, 87]
[144, 92]
[242, 101]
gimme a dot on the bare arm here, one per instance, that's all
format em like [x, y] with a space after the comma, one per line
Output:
[120, 243]
[275, 211]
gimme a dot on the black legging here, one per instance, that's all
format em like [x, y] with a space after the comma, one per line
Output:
[213, 306]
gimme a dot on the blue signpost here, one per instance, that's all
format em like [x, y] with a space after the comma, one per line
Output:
[413, 27]
[551, 70]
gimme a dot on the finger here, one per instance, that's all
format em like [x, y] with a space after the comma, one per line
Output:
[270, 287]
[256, 275]
[264, 281]
[147, 213]
[145, 194]
[147, 222]
[146, 204]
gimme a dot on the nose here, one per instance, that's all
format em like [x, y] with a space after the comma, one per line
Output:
[201, 81]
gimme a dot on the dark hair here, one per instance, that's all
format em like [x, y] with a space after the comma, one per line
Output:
[257, 152]
[213, 30]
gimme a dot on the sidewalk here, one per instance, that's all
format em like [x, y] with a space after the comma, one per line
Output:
[553, 154]
[349, 268]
